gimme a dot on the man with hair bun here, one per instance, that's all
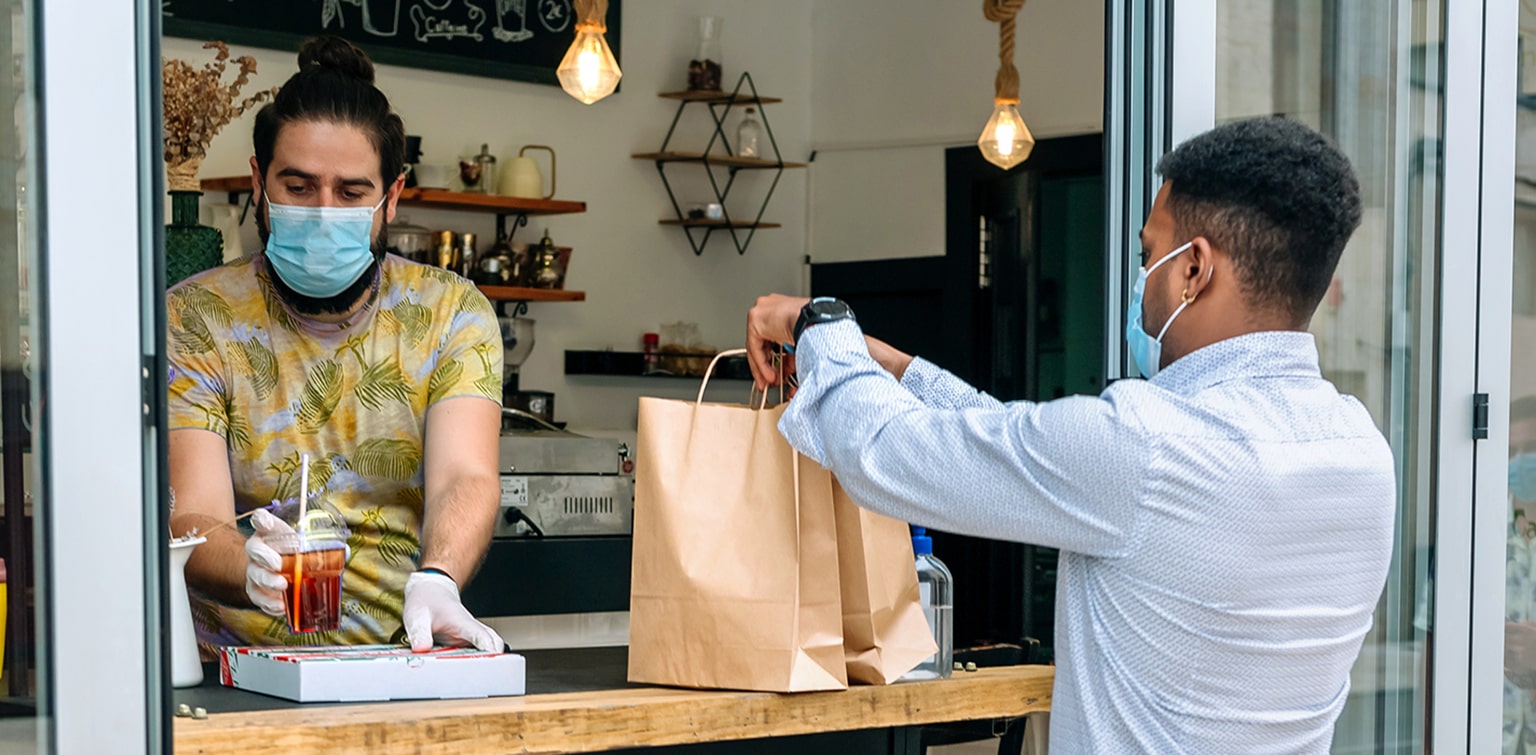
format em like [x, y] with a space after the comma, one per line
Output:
[386, 373]
[1225, 525]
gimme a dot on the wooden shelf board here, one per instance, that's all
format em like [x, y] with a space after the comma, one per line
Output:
[438, 198]
[457, 200]
[516, 293]
[227, 184]
[631, 364]
[751, 163]
[720, 97]
[718, 224]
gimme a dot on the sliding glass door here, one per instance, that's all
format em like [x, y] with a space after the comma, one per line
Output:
[1400, 86]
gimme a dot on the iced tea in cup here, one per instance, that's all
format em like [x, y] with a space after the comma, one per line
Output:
[314, 556]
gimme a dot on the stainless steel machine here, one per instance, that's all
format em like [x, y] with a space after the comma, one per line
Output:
[556, 483]
[562, 542]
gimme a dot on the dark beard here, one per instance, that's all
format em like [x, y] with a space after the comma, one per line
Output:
[331, 305]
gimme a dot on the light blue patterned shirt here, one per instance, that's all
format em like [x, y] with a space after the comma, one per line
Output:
[1225, 527]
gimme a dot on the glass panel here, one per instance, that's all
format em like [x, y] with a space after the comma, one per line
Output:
[1520, 558]
[23, 673]
[1366, 73]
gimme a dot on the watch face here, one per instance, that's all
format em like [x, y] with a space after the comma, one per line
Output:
[829, 309]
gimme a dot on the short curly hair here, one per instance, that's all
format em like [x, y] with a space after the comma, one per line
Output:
[1278, 197]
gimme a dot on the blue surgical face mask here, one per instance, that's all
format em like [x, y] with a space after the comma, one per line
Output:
[1146, 350]
[320, 251]
[1522, 477]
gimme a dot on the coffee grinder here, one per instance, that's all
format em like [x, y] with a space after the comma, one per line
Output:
[517, 343]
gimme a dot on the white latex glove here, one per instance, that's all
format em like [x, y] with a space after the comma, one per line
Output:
[434, 613]
[264, 585]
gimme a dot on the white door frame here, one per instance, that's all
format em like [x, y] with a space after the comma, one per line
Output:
[1481, 65]
[102, 647]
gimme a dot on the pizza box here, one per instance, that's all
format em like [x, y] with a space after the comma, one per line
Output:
[357, 673]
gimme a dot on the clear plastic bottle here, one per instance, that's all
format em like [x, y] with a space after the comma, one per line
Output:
[748, 132]
[936, 587]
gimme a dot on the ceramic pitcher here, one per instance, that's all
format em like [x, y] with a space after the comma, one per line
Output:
[186, 668]
[521, 177]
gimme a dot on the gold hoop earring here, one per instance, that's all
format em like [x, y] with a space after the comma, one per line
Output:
[1186, 297]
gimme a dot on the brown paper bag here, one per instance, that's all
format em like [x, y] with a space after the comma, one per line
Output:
[734, 581]
[885, 633]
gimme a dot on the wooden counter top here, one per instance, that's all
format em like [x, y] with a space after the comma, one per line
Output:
[592, 721]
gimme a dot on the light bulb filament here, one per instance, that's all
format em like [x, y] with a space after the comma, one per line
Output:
[589, 68]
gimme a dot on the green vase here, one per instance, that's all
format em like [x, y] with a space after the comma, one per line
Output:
[189, 248]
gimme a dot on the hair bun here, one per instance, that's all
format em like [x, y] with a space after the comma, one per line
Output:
[336, 54]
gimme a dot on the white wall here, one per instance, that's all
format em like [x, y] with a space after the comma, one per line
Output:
[890, 90]
[637, 274]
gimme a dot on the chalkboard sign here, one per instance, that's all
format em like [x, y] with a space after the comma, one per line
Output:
[507, 39]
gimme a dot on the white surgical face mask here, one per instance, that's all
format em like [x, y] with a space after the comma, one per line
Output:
[320, 251]
[1146, 350]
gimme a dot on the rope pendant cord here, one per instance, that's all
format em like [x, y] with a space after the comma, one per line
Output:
[1003, 12]
[594, 14]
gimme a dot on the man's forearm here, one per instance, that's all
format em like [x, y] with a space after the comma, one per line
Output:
[217, 567]
[457, 525]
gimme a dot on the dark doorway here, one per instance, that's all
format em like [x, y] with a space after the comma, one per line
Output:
[1015, 307]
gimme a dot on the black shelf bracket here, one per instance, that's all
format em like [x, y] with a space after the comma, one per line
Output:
[519, 308]
[741, 233]
[520, 219]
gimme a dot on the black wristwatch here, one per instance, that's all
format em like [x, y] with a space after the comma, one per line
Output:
[819, 310]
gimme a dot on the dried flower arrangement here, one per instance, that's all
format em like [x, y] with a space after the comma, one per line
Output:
[197, 104]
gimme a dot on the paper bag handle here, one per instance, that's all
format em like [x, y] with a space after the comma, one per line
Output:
[710, 370]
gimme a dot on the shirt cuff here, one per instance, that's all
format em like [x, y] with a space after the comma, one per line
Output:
[825, 355]
[938, 388]
[920, 377]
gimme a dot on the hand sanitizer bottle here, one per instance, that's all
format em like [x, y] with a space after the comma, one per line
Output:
[936, 588]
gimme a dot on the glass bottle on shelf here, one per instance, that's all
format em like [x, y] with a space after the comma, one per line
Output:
[748, 132]
[652, 342]
[447, 255]
[468, 255]
[704, 69]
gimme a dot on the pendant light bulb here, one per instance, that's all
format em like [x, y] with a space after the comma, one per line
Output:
[1005, 141]
[588, 71]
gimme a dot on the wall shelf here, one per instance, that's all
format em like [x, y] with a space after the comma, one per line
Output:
[519, 208]
[727, 161]
[632, 364]
[457, 200]
[720, 98]
[720, 104]
[504, 207]
[705, 223]
[518, 293]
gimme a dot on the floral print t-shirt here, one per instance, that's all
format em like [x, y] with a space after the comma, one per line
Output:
[353, 396]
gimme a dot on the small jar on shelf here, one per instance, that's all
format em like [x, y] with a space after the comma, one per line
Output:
[652, 343]
[704, 70]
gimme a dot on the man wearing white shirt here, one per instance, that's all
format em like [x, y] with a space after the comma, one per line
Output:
[1224, 526]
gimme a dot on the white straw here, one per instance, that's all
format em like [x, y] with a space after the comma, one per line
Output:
[303, 492]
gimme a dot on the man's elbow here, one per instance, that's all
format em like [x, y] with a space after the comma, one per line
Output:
[482, 488]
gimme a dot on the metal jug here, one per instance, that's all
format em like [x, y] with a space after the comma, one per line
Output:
[522, 178]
